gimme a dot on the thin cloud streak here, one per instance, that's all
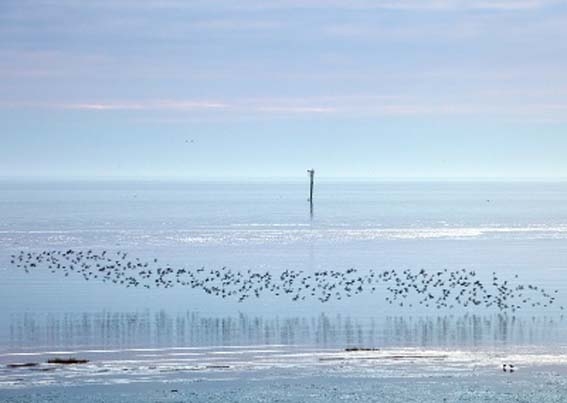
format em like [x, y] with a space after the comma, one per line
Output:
[344, 107]
[121, 106]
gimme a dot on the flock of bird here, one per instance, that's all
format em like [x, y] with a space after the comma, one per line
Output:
[438, 289]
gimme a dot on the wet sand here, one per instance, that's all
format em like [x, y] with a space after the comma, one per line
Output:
[287, 374]
[546, 384]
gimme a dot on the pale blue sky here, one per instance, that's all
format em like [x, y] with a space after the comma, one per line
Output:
[219, 88]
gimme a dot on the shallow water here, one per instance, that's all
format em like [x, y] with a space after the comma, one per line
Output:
[508, 228]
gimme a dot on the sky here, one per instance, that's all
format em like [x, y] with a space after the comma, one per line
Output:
[198, 89]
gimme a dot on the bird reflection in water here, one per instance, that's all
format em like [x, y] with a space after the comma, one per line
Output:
[193, 329]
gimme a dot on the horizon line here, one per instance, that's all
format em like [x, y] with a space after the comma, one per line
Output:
[165, 178]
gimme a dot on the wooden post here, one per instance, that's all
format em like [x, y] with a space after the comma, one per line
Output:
[311, 175]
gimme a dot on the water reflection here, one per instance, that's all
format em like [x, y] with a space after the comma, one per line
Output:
[147, 329]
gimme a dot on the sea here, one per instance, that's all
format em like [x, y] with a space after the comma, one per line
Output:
[515, 231]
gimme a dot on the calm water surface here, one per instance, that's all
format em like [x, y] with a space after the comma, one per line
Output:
[507, 228]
